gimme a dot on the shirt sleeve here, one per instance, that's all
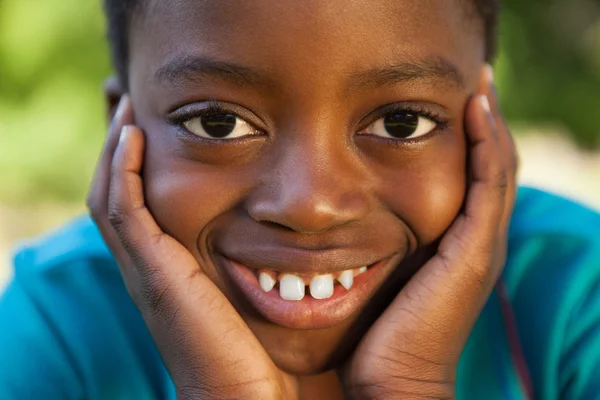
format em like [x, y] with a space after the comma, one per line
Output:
[580, 360]
[553, 282]
[69, 330]
[34, 362]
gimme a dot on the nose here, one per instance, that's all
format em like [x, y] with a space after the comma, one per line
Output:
[312, 187]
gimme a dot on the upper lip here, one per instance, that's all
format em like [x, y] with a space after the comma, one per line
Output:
[292, 260]
[259, 246]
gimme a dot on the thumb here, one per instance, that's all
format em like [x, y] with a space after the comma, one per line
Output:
[204, 342]
[430, 320]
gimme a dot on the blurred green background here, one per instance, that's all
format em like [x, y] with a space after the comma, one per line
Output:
[53, 59]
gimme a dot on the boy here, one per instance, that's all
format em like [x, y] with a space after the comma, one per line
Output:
[307, 200]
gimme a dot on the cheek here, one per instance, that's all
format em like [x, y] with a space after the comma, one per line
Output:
[186, 196]
[427, 188]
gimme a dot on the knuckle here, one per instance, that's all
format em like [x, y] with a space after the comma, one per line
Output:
[514, 162]
[481, 264]
[152, 288]
[477, 258]
[481, 274]
[155, 300]
[95, 208]
[117, 218]
[92, 205]
[501, 181]
[154, 293]
[189, 392]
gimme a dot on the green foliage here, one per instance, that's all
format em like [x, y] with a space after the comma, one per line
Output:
[53, 58]
[549, 67]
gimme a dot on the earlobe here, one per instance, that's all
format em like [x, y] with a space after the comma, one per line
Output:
[112, 93]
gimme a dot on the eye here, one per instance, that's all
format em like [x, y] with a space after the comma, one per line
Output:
[221, 126]
[401, 125]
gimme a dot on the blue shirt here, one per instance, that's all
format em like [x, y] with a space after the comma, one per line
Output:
[68, 329]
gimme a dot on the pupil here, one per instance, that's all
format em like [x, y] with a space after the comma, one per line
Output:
[218, 125]
[401, 125]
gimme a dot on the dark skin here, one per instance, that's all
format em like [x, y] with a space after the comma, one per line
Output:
[313, 177]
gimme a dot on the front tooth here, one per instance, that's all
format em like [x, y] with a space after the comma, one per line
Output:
[321, 287]
[362, 270]
[291, 287]
[266, 281]
[346, 278]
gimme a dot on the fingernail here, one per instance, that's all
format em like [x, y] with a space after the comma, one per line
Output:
[121, 108]
[123, 134]
[485, 103]
[489, 74]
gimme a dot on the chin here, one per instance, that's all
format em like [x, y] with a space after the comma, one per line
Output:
[304, 363]
[313, 351]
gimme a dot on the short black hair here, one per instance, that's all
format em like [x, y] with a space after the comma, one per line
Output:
[119, 14]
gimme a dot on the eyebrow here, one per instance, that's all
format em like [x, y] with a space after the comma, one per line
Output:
[432, 68]
[188, 67]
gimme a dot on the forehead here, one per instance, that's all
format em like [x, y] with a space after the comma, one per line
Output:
[308, 40]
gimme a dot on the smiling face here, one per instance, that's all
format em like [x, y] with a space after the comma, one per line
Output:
[302, 139]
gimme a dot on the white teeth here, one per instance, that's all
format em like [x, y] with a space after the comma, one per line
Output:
[266, 281]
[346, 278]
[291, 287]
[321, 287]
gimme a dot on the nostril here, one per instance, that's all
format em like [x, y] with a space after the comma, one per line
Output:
[303, 209]
[277, 225]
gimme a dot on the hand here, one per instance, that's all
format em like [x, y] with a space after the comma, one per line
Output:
[208, 349]
[412, 350]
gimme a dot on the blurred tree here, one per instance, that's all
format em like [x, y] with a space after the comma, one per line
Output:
[549, 67]
[53, 58]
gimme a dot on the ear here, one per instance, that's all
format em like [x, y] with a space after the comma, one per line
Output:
[112, 93]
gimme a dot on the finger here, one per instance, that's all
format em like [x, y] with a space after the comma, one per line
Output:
[476, 228]
[135, 227]
[470, 255]
[97, 199]
[98, 194]
[507, 144]
[432, 316]
[159, 261]
[187, 314]
[466, 259]
[467, 265]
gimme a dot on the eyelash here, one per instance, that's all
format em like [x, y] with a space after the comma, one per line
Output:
[419, 110]
[182, 115]
[179, 117]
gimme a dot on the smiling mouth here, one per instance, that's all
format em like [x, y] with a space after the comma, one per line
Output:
[306, 301]
[293, 287]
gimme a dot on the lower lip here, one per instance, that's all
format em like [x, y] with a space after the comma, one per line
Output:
[308, 313]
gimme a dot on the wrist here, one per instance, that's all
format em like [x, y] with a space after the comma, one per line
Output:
[399, 381]
[266, 391]
[406, 389]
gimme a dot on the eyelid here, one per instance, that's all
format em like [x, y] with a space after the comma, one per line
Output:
[441, 120]
[435, 113]
[195, 110]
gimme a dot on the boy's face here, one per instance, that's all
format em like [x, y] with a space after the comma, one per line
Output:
[312, 175]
